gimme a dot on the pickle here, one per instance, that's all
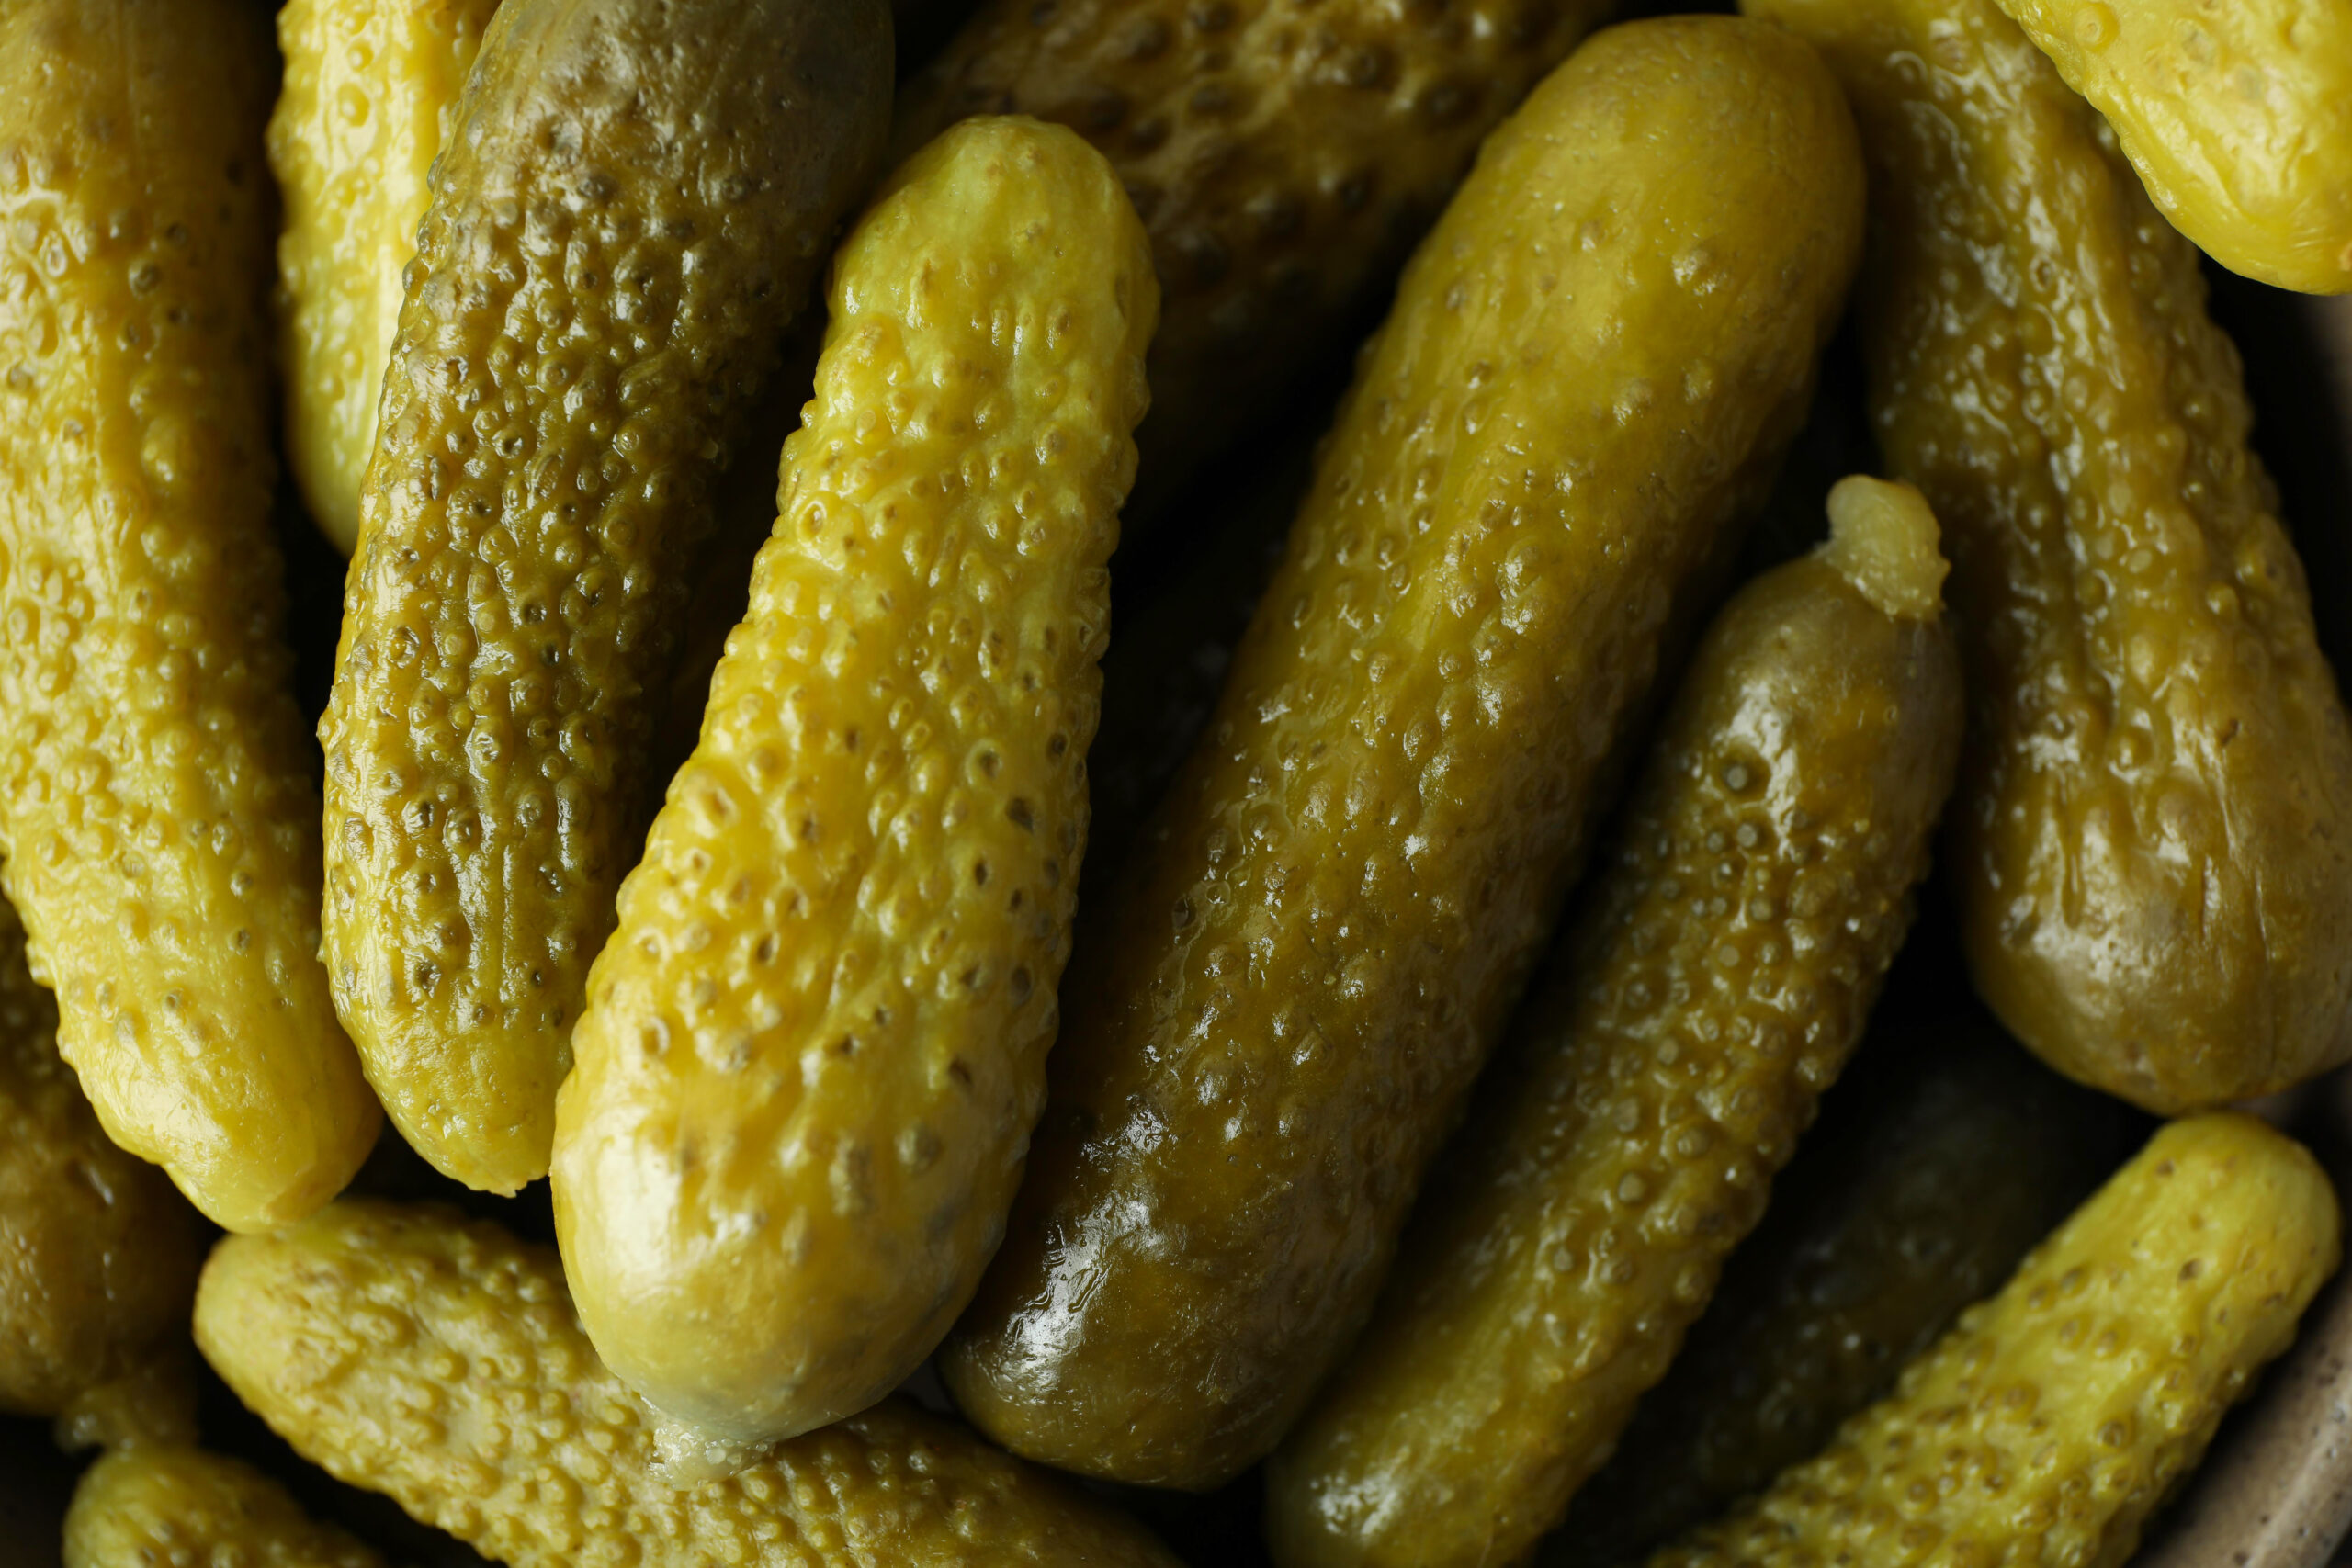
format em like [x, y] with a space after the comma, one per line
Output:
[632, 207]
[1591, 364]
[1713, 986]
[162, 1506]
[2153, 849]
[816, 1045]
[370, 92]
[1940, 1159]
[159, 819]
[438, 1361]
[1284, 164]
[2237, 116]
[98, 1254]
[2047, 1425]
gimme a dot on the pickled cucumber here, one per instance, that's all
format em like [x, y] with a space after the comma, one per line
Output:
[370, 93]
[1591, 364]
[1284, 161]
[157, 1505]
[2045, 1427]
[439, 1361]
[815, 1046]
[97, 1253]
[2153, 843]
[633, 205]
[156, 807]
[2238, 117]
[1712, 988]
[1940, 1159]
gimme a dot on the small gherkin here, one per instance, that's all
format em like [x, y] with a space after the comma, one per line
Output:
[167, 1506]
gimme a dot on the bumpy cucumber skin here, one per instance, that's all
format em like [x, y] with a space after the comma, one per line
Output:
[369, 94]
[1713, 987]
[98, 1254]
[1943, 1158]
[633, 205]
[161, 825]
[1284, 162]
[162, 1506]
[2154, 836]
[1592, 363]
[2237, 116]
[816, 1045]
[438, 1361]
[2047, 1425]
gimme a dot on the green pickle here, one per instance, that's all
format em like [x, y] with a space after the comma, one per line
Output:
[1713, 985]
[164, 1507]
[1592, 366]
[1940, 1159]
[2153, 851]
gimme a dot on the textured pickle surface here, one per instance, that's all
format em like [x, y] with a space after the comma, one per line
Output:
[1939, 1161]
[815, 1045]
[2153, 845]
[632, 205]
[2044, 1427]
[438, 1361]
[97, 1253]
[2237, 115]
[370, 92]
[1591, 366]
[1284, 158]
[155, 798]
[164, 1507]
[1716, 980]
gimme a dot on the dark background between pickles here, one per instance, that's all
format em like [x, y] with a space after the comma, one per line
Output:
[2303, 409]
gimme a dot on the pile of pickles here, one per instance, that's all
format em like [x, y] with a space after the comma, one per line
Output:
[1119, 781]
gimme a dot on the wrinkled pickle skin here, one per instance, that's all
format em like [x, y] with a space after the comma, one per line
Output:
[1941, 1158]
[160, 822]
[2153, 844]
[98, 1254]
[2051, 1421]
[1729, 950]
[816, 1045]
[163, 1507]
[541, 475]
[1324, 924]
[2237, 116]
[370, 92]
[393, 1345]
[1285, 164]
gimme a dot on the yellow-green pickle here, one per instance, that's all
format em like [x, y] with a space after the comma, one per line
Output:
[2153, 832]
[1592, 364]
[1941, 1158]
[633, 205]
[815, 1046]
[157, 810]
[2237, 115]
[370, 93]
[1285, 161]
[2047, 1425]
[1714, 984]
[160, 1506]
[438, 1361]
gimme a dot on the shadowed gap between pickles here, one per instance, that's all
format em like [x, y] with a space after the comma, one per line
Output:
[168, 1505]
[632, 207]
[815, 1046]
[1592, 366]
[160, 822]
[1714, 984]
[421, 1336]
[2058, 1415]
[1942, 1157]
[2153, 836]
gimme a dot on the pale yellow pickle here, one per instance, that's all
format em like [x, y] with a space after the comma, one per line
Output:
[370, 93]
[816, 1045]
[162, 1505]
